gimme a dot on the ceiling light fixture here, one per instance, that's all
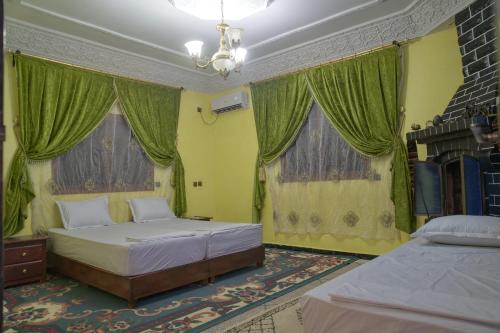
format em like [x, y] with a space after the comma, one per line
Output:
[230, 56]
[209, 9]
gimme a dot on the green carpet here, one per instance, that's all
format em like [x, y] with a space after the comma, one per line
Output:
[63, 305]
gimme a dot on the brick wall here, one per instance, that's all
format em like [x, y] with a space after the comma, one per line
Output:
[476, 38]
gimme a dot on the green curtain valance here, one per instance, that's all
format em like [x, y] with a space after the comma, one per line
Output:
[59, 105]
[280, 108]
[153, 114]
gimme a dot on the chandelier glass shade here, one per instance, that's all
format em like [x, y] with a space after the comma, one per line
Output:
[230, 55]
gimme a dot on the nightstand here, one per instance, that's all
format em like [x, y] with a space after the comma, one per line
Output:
[199, 218]
[25, 260]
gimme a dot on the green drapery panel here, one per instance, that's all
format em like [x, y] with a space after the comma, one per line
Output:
[280, 108]
[153, 113]
[58, 107]
[359, 97]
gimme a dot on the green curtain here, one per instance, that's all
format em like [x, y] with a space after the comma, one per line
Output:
[153, 113]
[359, 97]
[280, 108]
[58, 107]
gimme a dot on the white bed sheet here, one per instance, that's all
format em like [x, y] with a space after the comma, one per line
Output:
[107, 247]
[224, 237]
[418, 287]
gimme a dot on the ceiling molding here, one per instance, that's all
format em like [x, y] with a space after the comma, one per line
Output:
[38, 41]
[417, 20]
[104, 30]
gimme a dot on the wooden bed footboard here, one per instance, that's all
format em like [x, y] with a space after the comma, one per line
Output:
[234, 261]
[135, 287]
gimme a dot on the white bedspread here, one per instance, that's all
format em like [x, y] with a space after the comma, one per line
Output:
[108, 248]
[419, 287]
[224, 237]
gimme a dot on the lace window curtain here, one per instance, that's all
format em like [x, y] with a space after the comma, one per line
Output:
[109, 160]
[321, 185]
[44, 211]
[309, 159]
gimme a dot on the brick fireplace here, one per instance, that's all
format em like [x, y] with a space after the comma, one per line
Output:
[459, 177]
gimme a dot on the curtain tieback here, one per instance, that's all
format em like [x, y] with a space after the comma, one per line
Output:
[262, 171]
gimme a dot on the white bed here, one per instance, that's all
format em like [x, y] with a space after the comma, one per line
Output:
[107, 247]
[418, 287]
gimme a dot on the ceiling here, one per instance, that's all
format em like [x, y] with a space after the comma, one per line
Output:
[155, 31]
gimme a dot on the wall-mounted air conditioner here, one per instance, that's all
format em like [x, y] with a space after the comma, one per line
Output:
[231, 102]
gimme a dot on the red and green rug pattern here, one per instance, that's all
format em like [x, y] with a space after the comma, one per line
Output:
[63, 305]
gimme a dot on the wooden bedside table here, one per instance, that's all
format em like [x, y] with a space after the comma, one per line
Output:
[25, 260]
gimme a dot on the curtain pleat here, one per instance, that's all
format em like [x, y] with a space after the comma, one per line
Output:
[58, 107]
[280, 108]
[152, 112]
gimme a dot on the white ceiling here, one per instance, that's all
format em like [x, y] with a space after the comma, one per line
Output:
[156, 31]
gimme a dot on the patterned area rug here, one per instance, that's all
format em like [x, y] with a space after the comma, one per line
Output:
[62, 305]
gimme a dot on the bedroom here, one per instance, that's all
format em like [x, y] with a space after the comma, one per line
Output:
[178, 198]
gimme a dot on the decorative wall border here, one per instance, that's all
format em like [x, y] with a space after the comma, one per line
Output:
[419, 19]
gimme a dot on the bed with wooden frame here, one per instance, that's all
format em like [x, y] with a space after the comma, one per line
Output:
[132, 288]
[157, 268]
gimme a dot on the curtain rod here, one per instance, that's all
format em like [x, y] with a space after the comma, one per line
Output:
[355, 55]
[92, 70]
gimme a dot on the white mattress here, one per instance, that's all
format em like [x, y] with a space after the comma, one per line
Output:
[107, 248]
[419, 287]
[224, 238]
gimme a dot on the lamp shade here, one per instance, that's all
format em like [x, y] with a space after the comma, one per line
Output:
[234, 36]
[194, 48]
[239, 55]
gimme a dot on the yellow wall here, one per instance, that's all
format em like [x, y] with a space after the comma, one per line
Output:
[433, 73]
[222, 155]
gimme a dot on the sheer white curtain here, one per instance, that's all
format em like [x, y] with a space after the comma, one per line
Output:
[323, 186]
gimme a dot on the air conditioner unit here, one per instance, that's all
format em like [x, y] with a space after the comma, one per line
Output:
[231, 102]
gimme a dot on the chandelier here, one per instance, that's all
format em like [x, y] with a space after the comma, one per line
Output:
[230, 56]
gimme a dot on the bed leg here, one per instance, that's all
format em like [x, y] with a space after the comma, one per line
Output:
[131, 303]
[260, 263]
[204, 282]
[211, 279]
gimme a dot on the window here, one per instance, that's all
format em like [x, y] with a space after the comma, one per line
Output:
[321, 154]
[109, 160]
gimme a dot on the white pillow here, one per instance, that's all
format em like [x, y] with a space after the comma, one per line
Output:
[85, 213]
[462, 230]
[150, 209]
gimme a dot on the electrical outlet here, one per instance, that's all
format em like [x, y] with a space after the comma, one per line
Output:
[199, 109]
[157, 184]
[200, 184]
[195, 184]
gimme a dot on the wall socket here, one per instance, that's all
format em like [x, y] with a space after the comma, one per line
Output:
[197, 183]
